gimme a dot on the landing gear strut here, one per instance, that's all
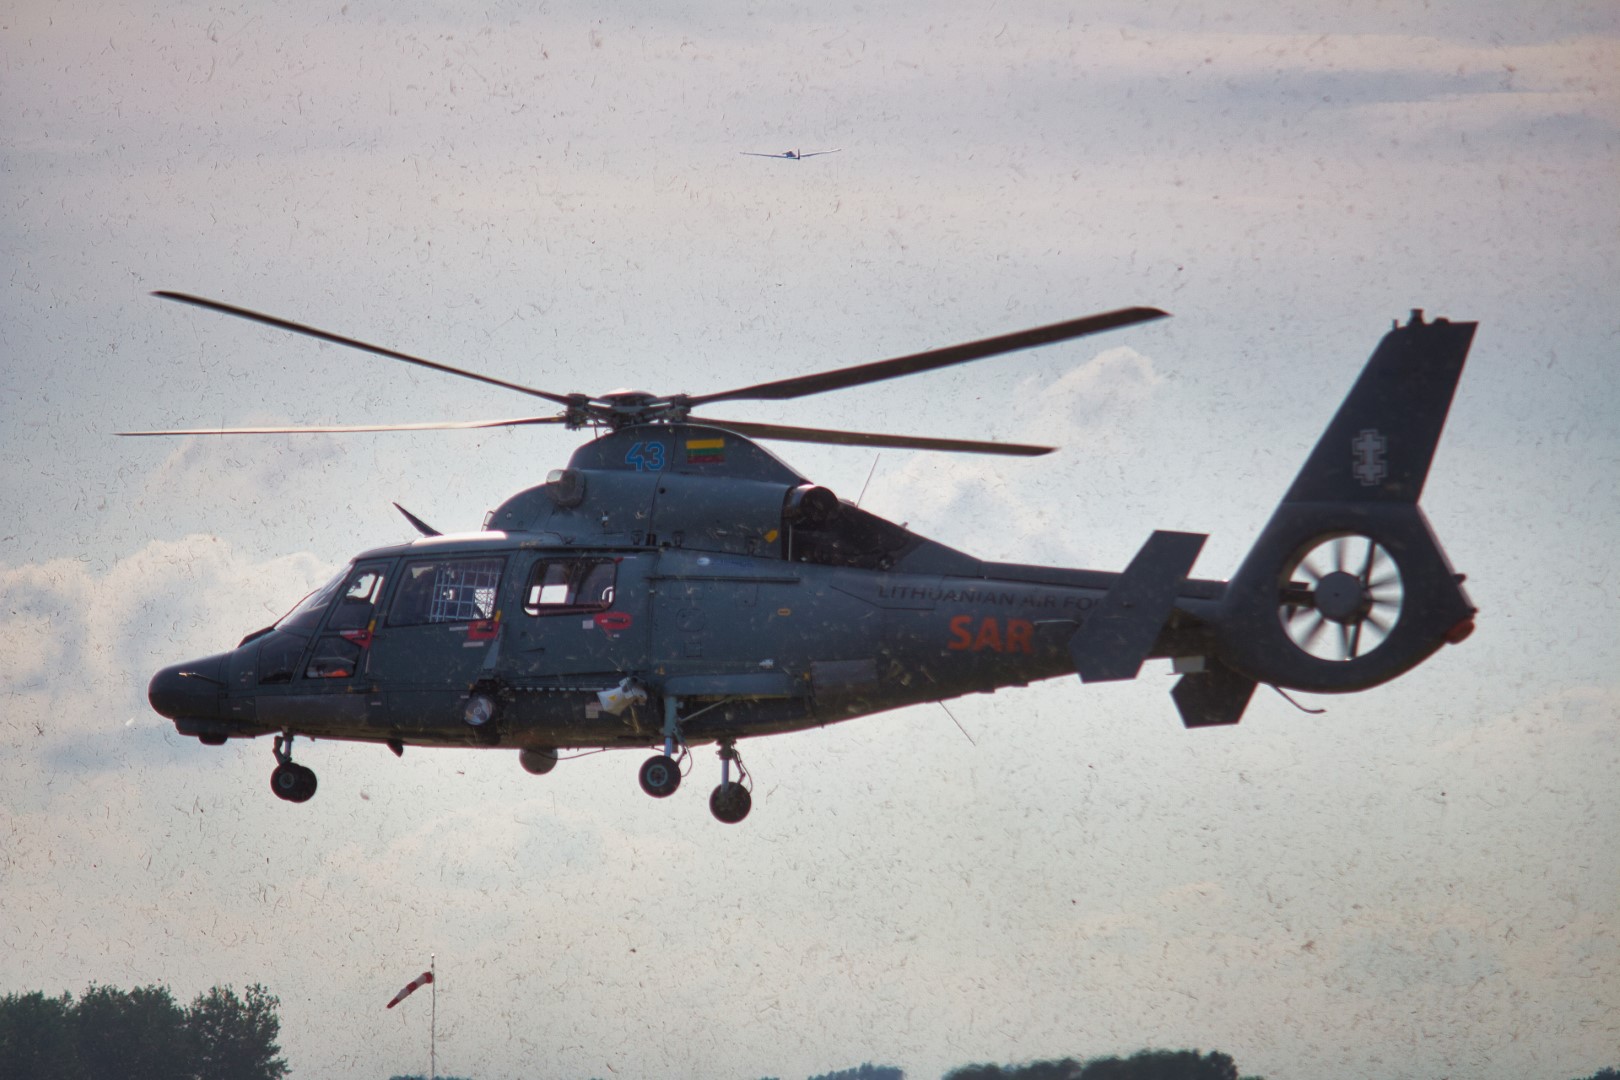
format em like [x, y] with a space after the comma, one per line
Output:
[731, 801]
[290, 781]
[661, 774]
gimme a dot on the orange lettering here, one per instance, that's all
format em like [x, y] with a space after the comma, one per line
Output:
[1018, 636]
[989, 636]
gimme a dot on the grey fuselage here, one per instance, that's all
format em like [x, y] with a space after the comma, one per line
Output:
[682, 557]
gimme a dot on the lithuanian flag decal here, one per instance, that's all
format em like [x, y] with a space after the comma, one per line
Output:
[705, 451]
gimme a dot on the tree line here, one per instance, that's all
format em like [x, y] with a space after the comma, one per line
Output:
[144, 1034]
[141, 1034]
[1146, 1065]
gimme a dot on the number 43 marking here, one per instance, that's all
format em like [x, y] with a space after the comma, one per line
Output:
[646, 457]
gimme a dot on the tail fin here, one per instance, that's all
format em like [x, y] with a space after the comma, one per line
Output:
[1379, 446]
[1347, 586]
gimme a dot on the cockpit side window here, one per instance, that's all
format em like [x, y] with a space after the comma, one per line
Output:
[357, 591]
[340, 651]
[335, 657]
[359, 601]
[563, 585]
[446, 591]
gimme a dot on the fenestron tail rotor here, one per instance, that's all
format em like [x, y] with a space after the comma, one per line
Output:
[1341, 597]
[623, 408]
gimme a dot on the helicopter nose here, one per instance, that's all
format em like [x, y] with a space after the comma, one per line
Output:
[189, 690]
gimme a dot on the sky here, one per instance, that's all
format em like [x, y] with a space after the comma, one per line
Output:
[1421, 882]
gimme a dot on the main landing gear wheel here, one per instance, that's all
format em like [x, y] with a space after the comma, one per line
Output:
[730, 803]
[660, 776]
[731, 800]
[1348, 602]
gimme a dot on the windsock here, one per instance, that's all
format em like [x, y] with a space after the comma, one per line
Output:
[412, 987]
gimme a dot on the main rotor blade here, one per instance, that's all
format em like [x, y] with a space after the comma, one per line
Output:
[432, 425]
[862, 438]
[877, 371]
[354, 343]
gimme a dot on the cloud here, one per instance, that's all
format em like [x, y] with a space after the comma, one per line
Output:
[1100, 395]
[967, 500]
[82, 641]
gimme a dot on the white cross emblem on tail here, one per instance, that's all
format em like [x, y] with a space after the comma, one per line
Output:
[1367, 449]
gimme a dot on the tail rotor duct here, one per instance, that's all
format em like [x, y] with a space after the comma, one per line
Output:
[1341, 597]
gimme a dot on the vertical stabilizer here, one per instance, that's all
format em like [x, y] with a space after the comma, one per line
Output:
[1379, 445]
[1347, 586]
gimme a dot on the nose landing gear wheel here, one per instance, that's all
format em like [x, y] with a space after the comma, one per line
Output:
[289, 780]
[660, 776]
[731, 800]
[292, 782]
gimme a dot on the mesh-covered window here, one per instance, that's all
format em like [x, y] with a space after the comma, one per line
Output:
[447, 591]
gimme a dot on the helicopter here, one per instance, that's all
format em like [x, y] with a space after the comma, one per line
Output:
[677, 585]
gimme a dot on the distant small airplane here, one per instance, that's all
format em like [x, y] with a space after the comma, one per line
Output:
[792, 155]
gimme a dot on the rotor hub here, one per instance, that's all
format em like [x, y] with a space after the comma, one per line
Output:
[1342, 597]
[622, 408]
[628, 399]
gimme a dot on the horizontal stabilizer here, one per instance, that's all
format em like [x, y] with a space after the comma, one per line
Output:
[1120, 631]
[1216, 695]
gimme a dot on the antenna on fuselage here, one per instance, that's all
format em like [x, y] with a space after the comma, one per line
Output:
[869, 474]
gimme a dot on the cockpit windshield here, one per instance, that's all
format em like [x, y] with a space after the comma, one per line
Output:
[307, 615]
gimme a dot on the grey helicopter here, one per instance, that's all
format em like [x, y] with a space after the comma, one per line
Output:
[677, 585]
